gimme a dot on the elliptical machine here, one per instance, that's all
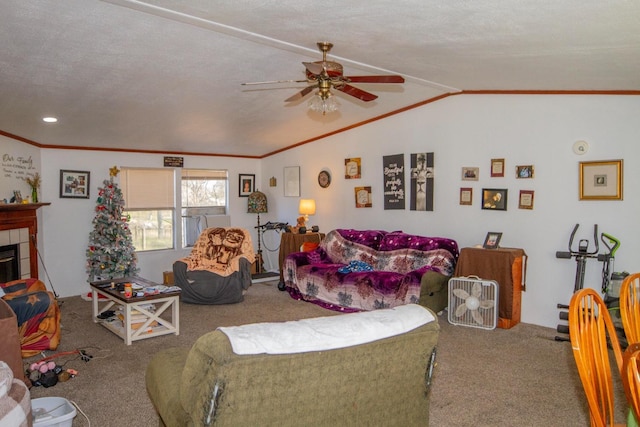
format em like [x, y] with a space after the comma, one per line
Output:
[581, 255]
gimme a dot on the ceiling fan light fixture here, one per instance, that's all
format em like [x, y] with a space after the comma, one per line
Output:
[323, 103]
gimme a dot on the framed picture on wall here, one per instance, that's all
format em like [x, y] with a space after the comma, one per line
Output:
[466, 196]
[74, 184]
[246, 184]
[292, 181]
[470, 173]
[353, 168]
[524, 171]
[601, 180]
[363, 197]
[526, 199]
[494, 199]
[497, 168]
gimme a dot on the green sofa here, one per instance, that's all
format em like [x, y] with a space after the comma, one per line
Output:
[383, 382]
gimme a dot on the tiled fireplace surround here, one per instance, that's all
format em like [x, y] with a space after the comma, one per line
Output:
[19, 225]
[19, 236]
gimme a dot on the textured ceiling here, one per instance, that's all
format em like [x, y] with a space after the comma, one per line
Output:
[166, 75]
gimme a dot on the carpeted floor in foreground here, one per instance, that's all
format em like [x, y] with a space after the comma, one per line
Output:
[515, 377]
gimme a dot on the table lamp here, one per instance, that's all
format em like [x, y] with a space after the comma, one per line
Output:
[307, 207]
[257, 204]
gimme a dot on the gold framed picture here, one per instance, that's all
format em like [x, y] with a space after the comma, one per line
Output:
[353, 168]
[524, 171]
[363, 197]
[601, 180]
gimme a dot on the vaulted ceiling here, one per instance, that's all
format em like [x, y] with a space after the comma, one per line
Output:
[165, 75]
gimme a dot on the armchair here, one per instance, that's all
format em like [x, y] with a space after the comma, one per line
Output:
[37, 312]
[218, 270]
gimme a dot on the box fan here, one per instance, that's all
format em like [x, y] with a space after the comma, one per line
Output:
[473, 302]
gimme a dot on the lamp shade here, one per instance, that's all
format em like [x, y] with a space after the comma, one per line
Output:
[257, 203]
[307, 207]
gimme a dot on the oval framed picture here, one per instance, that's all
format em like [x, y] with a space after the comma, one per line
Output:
[324, 179]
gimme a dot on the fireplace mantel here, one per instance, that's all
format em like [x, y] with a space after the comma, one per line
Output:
[23, 215]
[10, 207]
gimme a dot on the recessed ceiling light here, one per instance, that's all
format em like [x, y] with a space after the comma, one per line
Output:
[50, 119]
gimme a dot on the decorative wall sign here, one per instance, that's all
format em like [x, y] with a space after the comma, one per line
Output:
[421, 182]
[174, 162]
[246, 184]
[352, 168]
[393, 172]
[74, 184]
[601, 180]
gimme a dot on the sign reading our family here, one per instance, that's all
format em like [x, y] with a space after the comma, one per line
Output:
[17, 167]
[393, 171]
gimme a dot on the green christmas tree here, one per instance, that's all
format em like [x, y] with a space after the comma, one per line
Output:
[111, 253]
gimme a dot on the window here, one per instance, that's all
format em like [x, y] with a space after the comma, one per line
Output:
[150, 203]
[152, 200]
[204, 194]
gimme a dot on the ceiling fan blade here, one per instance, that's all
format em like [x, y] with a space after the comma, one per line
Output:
[304, 92]
[273, 81]
[357, 93]
[313, 68]
[375, 79]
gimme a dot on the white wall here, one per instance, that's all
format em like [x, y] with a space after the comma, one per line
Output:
[464, 130]
[470, 130]
[67, 222]
[18, 161]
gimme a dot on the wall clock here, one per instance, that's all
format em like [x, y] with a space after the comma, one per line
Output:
[324, 179]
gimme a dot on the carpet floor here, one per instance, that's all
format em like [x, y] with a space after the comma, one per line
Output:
[515, 377]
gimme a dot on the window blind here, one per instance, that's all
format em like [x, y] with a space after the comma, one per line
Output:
[147, 188]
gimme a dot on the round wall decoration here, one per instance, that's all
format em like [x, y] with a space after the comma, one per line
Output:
[324, 179]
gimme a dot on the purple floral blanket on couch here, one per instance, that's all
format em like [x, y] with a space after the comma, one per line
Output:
[362, 270]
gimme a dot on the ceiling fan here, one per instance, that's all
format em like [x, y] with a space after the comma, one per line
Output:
[325, 75]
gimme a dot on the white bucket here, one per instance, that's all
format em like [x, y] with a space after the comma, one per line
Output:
[52, 412]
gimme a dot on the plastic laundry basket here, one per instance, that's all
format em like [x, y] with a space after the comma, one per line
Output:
[52, 412]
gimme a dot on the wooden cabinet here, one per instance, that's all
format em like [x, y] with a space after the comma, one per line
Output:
[290, 243]
[507, 266]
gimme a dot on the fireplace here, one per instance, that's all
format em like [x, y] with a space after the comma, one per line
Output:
[9, 263]
[19, 227]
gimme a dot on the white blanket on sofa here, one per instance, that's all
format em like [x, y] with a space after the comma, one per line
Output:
[326, 333]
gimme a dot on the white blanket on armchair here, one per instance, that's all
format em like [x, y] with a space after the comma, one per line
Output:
[326, 333]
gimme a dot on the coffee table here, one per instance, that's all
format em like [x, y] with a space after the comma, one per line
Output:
[148, 322]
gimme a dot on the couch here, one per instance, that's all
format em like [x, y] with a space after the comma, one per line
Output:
[325, 371]
[355, 270]
[218, 269]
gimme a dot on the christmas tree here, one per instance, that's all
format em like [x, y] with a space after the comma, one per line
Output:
[111, 253]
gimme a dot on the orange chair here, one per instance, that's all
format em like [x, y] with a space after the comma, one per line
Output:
[631, 377]
[630, 307]
[590, 330]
